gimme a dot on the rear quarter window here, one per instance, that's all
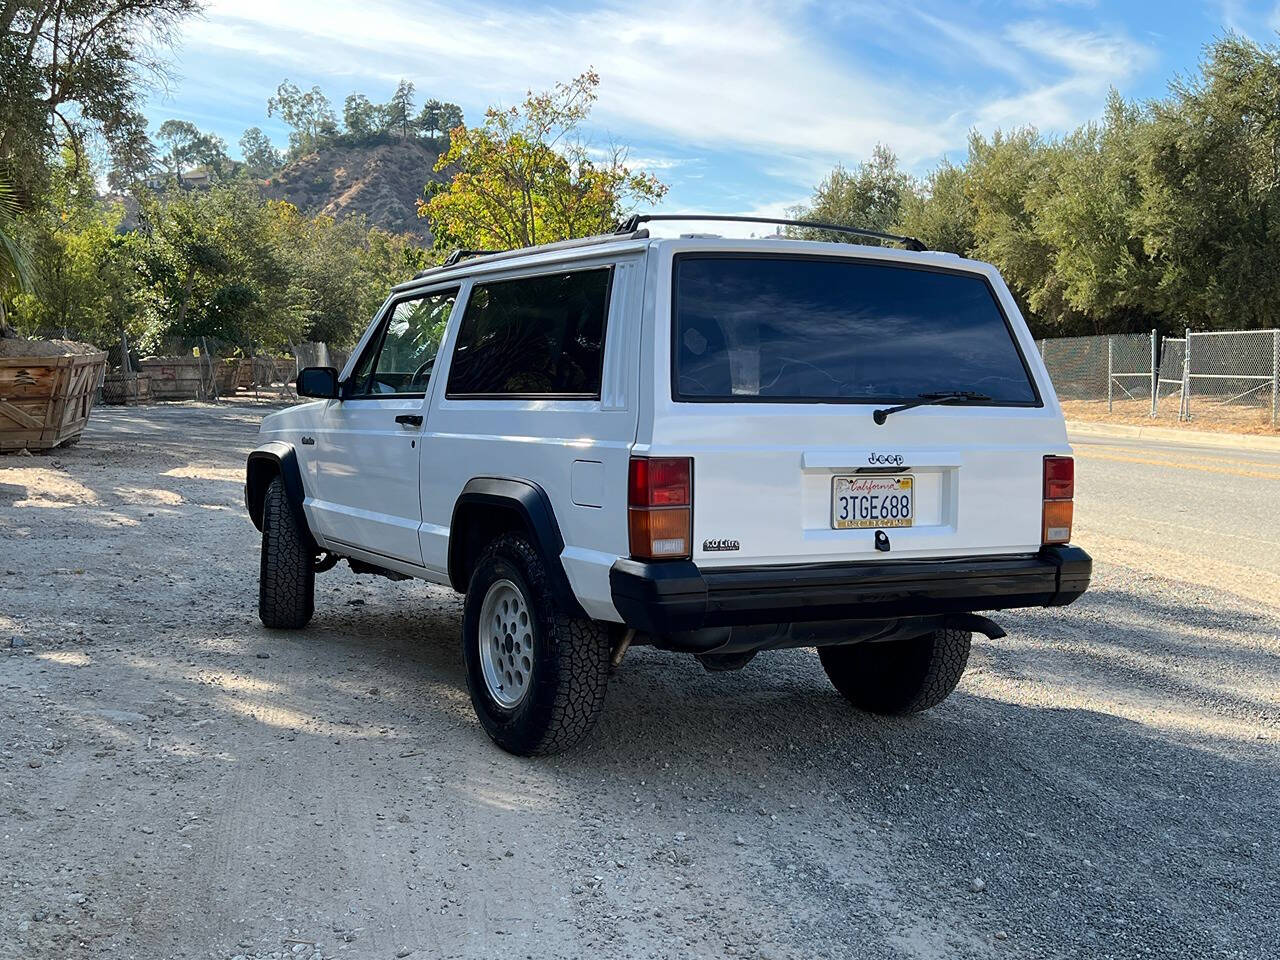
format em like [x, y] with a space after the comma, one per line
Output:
[539, 336]
[797, 329]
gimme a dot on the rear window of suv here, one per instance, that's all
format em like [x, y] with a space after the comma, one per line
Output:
[786, 328]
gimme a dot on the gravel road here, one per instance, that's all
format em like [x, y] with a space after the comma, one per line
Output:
[175, 781]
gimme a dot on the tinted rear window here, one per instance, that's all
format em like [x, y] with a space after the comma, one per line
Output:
[535, 336]
[780, 328]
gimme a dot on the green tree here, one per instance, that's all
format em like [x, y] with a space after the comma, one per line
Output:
[132, 155]
[309, 114]
[180, 139]
[74, 69]
[399, 110]
[1085, 212]
[940, 214]
[438, 118]
[363, 119]
[525, 176]
[214, 266]
[1210, 172]
[260, 155]
[82, 282]
[1001, 175]
[870, 197]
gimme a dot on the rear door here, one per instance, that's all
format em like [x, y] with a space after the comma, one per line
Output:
[778, 362]
[367, 451]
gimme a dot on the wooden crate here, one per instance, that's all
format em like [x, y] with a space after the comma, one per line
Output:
[187, 378]
[45, 401]
[119, 389]
[227, 373]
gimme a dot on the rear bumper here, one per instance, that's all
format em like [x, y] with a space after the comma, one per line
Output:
[675, 596]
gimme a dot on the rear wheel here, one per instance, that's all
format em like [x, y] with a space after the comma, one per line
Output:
[286, 578]
[899, 676]
[536, 675]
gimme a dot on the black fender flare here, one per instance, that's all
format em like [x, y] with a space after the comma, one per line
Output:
[532, 509]
[275, 457]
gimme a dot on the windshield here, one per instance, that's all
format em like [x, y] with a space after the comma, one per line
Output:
[826, 330]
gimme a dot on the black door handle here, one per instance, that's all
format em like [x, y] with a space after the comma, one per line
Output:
[410, 419]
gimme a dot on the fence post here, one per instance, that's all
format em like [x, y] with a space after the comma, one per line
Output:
[126, 367]
[1185, 412]
[1275, 378]
[1110, 376]
[1155, 374]
[213, 377]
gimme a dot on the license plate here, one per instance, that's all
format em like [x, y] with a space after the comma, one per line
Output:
[872, 501]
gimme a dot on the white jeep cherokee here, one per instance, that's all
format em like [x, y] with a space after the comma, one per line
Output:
[708, 445]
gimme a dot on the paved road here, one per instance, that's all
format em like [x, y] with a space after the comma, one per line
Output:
[1207, 515]
[176, 781]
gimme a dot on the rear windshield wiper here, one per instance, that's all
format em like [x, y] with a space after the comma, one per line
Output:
[924, 399]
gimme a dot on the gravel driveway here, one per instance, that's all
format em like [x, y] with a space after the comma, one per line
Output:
[175, 781]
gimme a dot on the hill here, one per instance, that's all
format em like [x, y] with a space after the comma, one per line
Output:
[381, 182]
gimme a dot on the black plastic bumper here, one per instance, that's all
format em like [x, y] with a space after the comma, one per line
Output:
[675, 596]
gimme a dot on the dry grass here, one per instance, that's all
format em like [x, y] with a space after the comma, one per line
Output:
[1206, 415]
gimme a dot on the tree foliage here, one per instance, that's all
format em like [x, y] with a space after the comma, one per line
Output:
[309, 115]
[1159, 214]
[526, 176]
[72, 70]
[260, 155]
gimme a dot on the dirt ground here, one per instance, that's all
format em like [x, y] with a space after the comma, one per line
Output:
[176, 781]
[1207, 414]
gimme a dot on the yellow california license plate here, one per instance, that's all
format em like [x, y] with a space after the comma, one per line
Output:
[871, 500]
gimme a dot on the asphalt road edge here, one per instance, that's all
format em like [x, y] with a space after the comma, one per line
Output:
[1198, 438]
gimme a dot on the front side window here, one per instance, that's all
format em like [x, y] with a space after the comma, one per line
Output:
[401, 358]
[537, 336]
[825, 330]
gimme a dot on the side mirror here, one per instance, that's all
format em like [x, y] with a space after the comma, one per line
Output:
[318, 382]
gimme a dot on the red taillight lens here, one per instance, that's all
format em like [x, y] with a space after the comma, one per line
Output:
[661, 482]
[1059, 489]
[1059, 478]
[660, 513]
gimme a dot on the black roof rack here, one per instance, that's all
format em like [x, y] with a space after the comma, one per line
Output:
[459, 254]
[632, 223]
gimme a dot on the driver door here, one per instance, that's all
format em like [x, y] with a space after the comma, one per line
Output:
[367, 450]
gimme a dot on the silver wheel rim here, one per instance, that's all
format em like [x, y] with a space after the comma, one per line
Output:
[506, 643]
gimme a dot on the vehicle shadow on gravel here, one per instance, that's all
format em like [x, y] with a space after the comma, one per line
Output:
[1093, 834]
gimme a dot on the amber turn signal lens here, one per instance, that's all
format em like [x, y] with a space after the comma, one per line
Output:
[1057, 521]
[660, 534]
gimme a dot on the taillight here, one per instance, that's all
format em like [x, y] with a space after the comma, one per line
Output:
[660, 507]
[1059, 493]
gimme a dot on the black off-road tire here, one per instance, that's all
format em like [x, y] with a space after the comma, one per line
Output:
[570, 665]
[899, 676]
[287, 577]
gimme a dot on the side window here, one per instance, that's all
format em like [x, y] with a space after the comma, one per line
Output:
[533, 336]
[404, 354]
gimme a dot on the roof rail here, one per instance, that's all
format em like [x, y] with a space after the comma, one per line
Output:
[457, 256]
[632, 224]
[460, 254]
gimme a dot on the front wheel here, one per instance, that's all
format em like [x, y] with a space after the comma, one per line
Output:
[536, 675]
[899, 676]
[286, 577]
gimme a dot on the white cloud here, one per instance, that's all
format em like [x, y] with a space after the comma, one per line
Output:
[1086, 54]
[757, 77]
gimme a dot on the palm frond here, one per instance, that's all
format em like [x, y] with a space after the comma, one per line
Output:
[15, 261]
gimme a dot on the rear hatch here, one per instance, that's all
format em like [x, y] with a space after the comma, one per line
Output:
[778, 364]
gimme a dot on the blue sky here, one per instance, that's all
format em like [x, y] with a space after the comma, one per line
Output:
[741, 107]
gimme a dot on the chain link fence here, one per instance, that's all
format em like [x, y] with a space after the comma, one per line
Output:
[1226, 379]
